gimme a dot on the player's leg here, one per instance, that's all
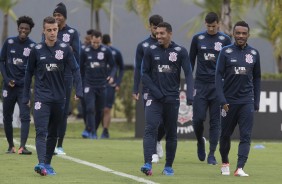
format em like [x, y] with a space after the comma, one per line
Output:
[109, 101]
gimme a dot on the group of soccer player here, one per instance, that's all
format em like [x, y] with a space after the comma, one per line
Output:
[227, 84]
[57, 63]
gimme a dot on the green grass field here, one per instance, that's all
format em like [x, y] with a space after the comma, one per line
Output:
[122, 156]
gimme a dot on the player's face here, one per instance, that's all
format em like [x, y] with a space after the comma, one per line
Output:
[24, 30]
[212, 28]
[153, 29]
[51, 31]
[96, 42]
[87, 40]
[60, 19]
[163, 36]
[241, 35]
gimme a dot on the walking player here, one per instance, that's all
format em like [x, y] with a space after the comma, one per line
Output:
[238, 77]
[162, 65]
[47, 61]
[13, 61]
[206, 47]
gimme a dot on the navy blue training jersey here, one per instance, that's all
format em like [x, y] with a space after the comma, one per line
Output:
[238, 75]
[206, 48]
[48, 65]
[161, 71]
[140, 50]
[93, 64]
[118, 59]
[13, 59]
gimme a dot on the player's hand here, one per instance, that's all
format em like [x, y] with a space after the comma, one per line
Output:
[28, 103]
[11, 83]
[135, 96]
[76, 98]
[117, 88]
[226, 107]
[110, 80]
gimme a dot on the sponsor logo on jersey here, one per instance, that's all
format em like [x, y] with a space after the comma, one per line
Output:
[209, 57]
[164, 68]
[172, 56]
[94, 64]
[66, 37]
[59, 54]
[240, 70]
[52, 67]
[17, 61]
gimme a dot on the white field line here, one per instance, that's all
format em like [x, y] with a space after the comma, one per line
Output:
[99, 167]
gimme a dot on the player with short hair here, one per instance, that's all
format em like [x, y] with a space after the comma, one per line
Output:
[238, 77]
[161, 69]
[205, 46]
[13, 61]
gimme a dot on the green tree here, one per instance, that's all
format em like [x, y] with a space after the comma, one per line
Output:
[6, 8]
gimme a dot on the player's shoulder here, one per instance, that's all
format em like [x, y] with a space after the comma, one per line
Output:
[222, 36]
[11, 40]
[71, 30]
[252, 50]
[200, 35]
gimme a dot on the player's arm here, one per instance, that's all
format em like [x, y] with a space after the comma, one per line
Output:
[193, 52]
[219, 74]
[137, 68]
[75, 45]
[3, 58]
[120, 64]
[146, 75]
[257, 81]
[186, 65]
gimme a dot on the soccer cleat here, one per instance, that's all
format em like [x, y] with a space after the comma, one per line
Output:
[225, 171]
[159, 149]
[93, 136]
[24, 151]
[59, 151]
[147, 169]
[11, 150]
[211, 160]
[240, 172]
[40, 169]
[168, 171]
[50, 170]
[105, 134]
[201, 150]
[155, 158]
[85, 134]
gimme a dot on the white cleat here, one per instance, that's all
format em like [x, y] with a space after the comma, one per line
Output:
[225, 171]
[159, 149]
[59, 151]
[240, 172]
[155, 158]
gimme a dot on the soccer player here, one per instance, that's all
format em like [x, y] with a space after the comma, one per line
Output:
[70, 36]
[154, 20]
[111, 88]
[238, 77]
[161, 68]
[47, 61]
[94, 61]
[205, 46]
[13, 60]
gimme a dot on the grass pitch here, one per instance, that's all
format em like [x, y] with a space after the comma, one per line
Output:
[124, 155]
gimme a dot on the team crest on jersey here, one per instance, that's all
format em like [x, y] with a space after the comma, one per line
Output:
[249, 58]
[71, 30]
[100, 55]
[228, 51]
[221, 37]
[10, 41]
[177, 48]
[201, 37]
[145, 44]
[172, 56]
[153, 46]
[37, 105]
[185, 112]
[59, 54]
[66, 37]
[63, 45]
[26, 51]
[5, 93]
[148, 102]
[254, 52]
[86, 90]
[217, 46]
